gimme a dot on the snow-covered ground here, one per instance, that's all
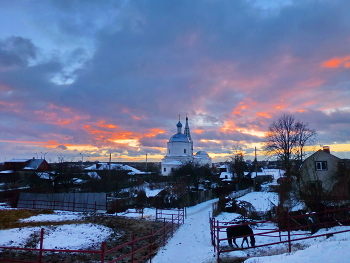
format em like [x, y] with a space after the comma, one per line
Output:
[80, 236]
[191, 242]
[56, 217]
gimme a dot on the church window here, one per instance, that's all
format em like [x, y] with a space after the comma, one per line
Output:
[169, 151]
[164, 169]
[184, 150]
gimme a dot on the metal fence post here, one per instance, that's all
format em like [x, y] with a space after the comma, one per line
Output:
[172, 224]
[150, 246]
[103, 249]
[132, 248]
[288, 227]
[164, 231]
[41, 245]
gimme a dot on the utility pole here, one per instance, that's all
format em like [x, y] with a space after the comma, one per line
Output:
[109, 172]
[146, 162]
[256, 165]
[82, 161]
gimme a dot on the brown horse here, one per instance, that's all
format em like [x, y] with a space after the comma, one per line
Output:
[239, 231]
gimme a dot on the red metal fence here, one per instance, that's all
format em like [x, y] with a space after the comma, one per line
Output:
[286, 230]
[169, 215]
[137, 250]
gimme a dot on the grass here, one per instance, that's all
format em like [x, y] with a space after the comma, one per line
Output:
[9, 218]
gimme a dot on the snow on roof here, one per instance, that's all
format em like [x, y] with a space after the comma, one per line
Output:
[6, 172]
[114, 166]
[154, 192]
[224, 175]
[78, 181]
[44, 175]
[18, 160]
[94, 175]
[261, 200]
[275, 172]
[255, 174]
[33, 164]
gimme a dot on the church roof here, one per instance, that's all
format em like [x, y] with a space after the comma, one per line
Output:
[179, 137]
[202, 153]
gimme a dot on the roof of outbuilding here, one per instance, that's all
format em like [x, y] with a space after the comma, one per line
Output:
[33, 164]
[203, 153]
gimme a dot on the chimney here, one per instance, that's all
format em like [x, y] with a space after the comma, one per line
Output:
[326, 149]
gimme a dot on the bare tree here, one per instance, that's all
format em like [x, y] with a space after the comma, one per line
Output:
[237, 165]
[286, 139]
[305, 136]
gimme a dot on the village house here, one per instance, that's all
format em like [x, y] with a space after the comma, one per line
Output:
[324, 174]
[23, 171]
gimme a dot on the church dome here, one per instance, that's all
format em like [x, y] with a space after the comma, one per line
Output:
[179, 137]
[202, 153]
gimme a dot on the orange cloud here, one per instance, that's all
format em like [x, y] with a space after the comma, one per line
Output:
[53, 118]
[104, 125]
[135, 117]
[264, 114]
[337, 62]
[198, 131]
[244, 106]
[153, 132]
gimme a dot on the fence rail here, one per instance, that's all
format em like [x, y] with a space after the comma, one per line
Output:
[138, 249]
[286, 228]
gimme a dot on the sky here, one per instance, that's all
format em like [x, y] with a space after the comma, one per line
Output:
[83, 80]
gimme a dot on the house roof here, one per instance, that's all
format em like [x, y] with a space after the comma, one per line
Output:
[115, 166]
[321, 152]
[34, 164]
[18, 161]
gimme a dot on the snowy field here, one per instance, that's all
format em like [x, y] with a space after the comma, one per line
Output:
[191, 242]
[80, 236]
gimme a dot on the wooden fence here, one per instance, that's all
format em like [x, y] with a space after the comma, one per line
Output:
[286, 228]
[77, 202]
[139, 249]
[73, 206]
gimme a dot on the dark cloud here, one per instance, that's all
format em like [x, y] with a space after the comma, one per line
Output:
[16, 51]
[231, 66]
[62, 147]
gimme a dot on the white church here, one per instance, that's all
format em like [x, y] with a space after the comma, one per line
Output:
[180, 151]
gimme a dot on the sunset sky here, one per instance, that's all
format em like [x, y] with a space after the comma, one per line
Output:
[90, 78]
